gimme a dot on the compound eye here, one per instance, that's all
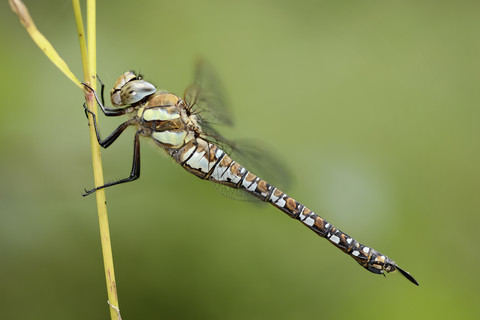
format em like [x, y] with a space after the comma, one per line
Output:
[119, 84]
[135, 90]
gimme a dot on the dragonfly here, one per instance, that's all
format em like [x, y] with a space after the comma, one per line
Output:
[183, 128]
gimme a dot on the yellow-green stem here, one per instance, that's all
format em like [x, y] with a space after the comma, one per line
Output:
[89, 69]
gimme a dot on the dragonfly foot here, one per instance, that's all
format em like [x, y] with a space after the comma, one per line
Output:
[88, 192]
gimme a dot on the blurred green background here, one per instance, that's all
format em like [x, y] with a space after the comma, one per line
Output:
[373, 105]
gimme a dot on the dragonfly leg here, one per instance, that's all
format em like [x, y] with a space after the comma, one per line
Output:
[107, 111]
[114, 135]
[102, 90]
[134, 174]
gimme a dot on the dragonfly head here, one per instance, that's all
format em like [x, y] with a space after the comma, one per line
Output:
[130, 89]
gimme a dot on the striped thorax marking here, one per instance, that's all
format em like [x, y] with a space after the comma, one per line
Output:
[173, 139]
[160, 107]
[161, 114]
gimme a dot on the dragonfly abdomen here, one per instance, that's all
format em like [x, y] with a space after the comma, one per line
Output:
[367, 257]
[208, 161]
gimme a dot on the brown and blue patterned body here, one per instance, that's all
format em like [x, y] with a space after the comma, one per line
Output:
[170, 122]
[208, 161]
[167, 120]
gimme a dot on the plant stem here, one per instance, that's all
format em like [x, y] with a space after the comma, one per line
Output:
[89, 70]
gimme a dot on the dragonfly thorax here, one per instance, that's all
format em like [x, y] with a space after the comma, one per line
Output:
[130, 89]
[165, 117]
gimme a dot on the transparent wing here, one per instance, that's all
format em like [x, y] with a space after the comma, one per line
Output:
[257, 158]
[205, 96]
[206, 100]
[261, 160]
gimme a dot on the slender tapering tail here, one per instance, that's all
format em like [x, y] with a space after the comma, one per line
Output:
[207, 161]
[367, 257]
